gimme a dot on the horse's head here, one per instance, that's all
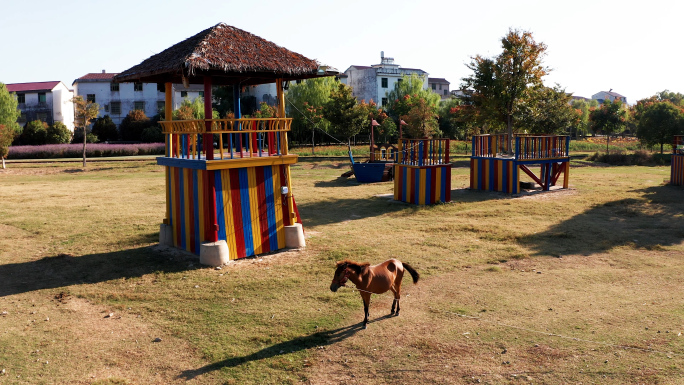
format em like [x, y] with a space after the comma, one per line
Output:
[341, 276]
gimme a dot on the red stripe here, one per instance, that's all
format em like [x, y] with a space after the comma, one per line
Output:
[263, 209]
[238, 227]
[433, 185]
[177, 209]
[287, 221]
[191, 203]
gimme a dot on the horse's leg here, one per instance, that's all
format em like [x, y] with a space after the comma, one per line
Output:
[397, 292]
[366, 305]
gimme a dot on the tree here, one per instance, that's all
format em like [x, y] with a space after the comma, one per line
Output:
[312, 94]
[583, 107]
[456, 119]
[659, 123]
[34, 134]
[192, 110]
[134, 123]
[410, 87]
[8, 110]
[7, 135]
[500, 84]
[346, 116]
[105, 129]
[548, 111]
[421, 119]
[609, 119]
[84, 112]
[57, 133]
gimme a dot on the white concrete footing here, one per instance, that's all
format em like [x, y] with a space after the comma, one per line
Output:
[294, 236]
[165, 235]
[214, 253]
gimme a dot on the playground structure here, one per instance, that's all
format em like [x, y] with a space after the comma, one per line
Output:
[492, 169]
[379, 167]
[677, 167]
[236, 202]
[422, 173]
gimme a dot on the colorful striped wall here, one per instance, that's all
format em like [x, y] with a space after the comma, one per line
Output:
[495, 174]
[424, 185]
[677, 173]
[248, 203]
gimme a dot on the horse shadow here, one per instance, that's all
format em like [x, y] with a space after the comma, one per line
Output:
[295, 345]
[648, 222]
[65, 270]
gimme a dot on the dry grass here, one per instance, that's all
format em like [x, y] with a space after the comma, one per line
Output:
[570, 286]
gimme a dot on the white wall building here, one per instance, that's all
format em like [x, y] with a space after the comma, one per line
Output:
[376, 82]
[610, 95]
[46, 101]
[440, 86]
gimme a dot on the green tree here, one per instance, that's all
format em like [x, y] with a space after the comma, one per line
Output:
[192, 110]
[133, 125]
[456, 120]
[105, 129]
[346, 116]
[583, 107]
[659, 123]
[58, 133]
[8, 110]
[500, 84]
[312, 94]
[609, 119]
[34, 134]
[548, 111]
[7, 135]
[222, 100]
[675, 98]
[84, 112]
[421, 119]
[399, 100]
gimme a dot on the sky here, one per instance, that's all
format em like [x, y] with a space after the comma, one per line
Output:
[633, 48]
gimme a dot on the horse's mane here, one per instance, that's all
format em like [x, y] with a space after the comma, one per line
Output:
[356, 266]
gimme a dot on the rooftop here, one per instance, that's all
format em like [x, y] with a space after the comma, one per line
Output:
[37, 86]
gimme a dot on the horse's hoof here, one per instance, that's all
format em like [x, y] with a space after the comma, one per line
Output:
[392, 312]
[396, 314]
[365, 326]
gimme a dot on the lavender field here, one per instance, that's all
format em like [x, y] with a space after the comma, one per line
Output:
[93, 150]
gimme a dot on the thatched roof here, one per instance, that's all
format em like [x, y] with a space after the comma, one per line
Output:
[228, 54]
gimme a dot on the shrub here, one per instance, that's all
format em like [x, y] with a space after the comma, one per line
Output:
[35, 133]
[58, 133]
[105, 129]
[152, 135]
[78, 136]
[133, 125]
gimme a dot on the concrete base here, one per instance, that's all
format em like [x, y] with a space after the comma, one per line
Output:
[294, 236]
[214, 253]
[165, 235]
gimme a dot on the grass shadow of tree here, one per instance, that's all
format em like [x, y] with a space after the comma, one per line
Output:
[65, 270]
[649, 222]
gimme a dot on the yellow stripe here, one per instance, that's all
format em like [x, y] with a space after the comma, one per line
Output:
[409, 182]
[280, 225]
[422, 181]
[486, 174]
[438, 185]
[566, 175]
[254, 209]
[187, 179]
[499, 170]
[174, 200]
[396, 182]
[228, 214]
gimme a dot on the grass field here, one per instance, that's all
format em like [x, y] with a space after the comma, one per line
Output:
[570, 286]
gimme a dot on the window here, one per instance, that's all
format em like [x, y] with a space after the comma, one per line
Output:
[114, 87]
[201, 93]
[90, 98]
[139, 106]
[21, 98]
[434, 86]
[440, 86]
[106, 107]
[161, 87]
[446, 92]
[384, 82]
[184, 94]
[22, 118]
[41, 97]
[42, 116]
[161, 106]
[137, 86]
[384, 102]
[115, 108]
[400, 80]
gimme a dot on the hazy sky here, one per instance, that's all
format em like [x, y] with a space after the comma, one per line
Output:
[632, 47]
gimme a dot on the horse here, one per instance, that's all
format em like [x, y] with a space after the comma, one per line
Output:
[376, 279]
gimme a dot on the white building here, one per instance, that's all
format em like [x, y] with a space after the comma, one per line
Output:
[118, 99]
[46, 101]
[440, 86]
[610, 95]
[376, 82]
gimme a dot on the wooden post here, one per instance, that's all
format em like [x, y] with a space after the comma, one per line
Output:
[211, 232]
[208, 136]
[281, 114]
[168, 116]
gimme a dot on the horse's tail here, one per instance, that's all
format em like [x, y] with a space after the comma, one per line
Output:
[412, 271]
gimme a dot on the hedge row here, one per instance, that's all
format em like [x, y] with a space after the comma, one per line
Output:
[93, 150]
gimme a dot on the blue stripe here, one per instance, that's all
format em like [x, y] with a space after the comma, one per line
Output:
[246, 214]
[169, 170]
[442, 188]
[196, 209]
[181, 191]
[220, 215]
[270, 208]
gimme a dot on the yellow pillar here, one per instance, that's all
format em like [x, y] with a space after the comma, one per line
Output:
[281, 114]
[168, 116]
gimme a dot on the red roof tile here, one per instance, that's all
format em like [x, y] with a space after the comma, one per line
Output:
[25, 87]
[98, 76]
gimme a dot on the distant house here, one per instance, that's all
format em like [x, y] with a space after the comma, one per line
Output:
[609, 95]
[439, 86]
[376, 81]
[46, 101]
[118, 99]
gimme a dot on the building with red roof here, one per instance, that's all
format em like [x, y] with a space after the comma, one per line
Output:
[46, 101]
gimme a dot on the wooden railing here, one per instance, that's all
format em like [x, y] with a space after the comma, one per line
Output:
[678, 145]
[384, 153]
[527, 147]
[423, 152]
[235, 138]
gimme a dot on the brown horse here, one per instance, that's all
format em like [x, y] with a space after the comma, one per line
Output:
[376, 279]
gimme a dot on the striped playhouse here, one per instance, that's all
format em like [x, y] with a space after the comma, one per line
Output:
[228, 184]
[422, 174]
[677, 173]
[491, 169]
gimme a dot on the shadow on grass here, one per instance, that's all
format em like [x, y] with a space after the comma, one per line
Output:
[286, 347]
[647, 223]
[331, 211]
[66, 270]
